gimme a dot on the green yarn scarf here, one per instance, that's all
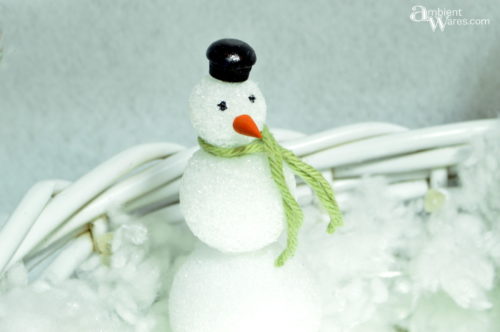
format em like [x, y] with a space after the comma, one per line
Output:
[276, 156]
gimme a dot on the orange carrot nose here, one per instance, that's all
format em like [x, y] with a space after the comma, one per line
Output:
[245, 125]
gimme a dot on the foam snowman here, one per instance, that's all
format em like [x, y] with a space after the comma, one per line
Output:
[229, 283]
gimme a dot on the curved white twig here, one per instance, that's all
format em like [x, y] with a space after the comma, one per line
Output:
[399, 143]
[23, 218]
[166, 194]
[121, 193]
[342, 135]
[431, 159]
[86, 188]
[439, 178]
[73, 255]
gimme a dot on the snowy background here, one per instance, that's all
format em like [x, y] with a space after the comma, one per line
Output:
[83, 80]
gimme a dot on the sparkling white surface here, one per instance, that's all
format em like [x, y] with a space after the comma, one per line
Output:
[243, 293]
[214, 124]
[232, 204]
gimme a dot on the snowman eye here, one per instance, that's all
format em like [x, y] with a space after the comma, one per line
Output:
[252, 98]
[222, 105]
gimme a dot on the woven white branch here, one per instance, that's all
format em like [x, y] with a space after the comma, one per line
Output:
[146, 178]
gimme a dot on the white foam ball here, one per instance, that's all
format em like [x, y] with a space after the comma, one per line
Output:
[214, 124]
[218, 292]
[232, 204]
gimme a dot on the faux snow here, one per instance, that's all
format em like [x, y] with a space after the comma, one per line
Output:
[392, 267]
[246, 293]
[124, 292]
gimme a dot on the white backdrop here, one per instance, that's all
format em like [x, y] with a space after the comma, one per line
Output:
[83, 80]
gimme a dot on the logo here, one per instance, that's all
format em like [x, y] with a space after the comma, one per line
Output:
[440, 18]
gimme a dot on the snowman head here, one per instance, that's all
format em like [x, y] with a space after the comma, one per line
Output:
[226, 108]
[227, 114]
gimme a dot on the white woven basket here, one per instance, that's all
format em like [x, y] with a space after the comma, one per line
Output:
[57, 214]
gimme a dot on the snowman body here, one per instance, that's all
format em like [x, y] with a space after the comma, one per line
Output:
[230, 283]
[231, 204]
[218, 292]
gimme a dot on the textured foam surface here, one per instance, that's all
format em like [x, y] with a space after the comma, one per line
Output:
[232, 204]
[216, 125]
[242, 293]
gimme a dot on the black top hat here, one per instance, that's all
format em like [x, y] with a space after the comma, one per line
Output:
[230, 60]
